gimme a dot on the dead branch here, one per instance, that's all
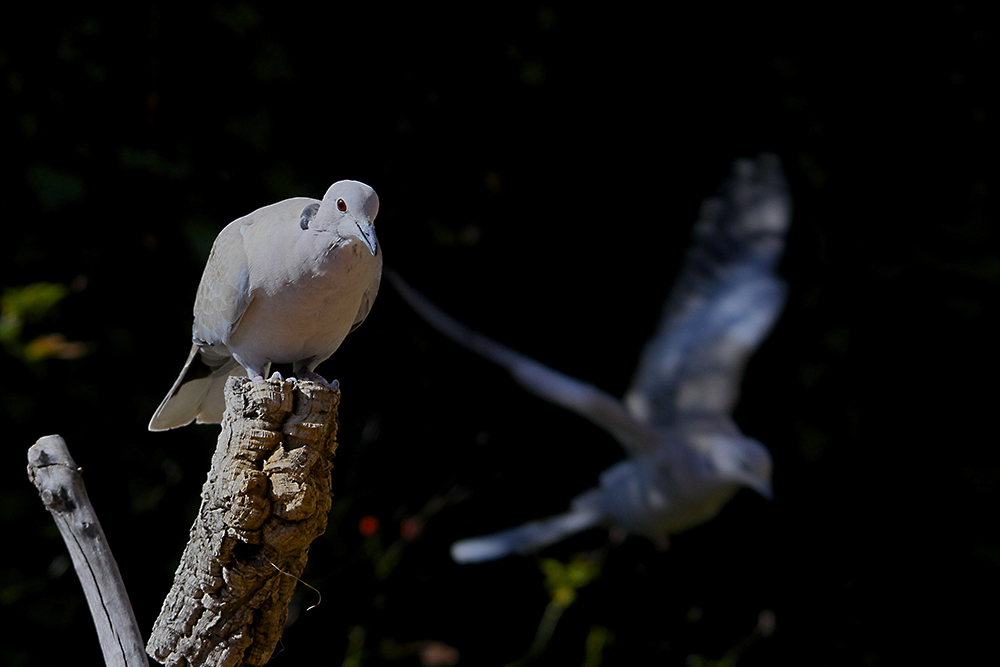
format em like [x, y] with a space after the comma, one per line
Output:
[266, 499]
[60, 484]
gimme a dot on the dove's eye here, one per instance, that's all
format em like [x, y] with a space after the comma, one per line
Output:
[341, 205]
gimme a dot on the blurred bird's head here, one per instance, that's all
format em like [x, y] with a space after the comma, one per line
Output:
[349, 209]
[742, 461]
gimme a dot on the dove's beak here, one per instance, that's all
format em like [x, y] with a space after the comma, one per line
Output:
[763, 487]
[367, 230]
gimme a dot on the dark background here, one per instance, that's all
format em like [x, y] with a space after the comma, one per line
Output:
[539, 168]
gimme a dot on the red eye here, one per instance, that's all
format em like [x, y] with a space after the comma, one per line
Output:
[341, 205]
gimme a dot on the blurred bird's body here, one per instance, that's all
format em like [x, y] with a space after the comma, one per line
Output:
[284, 284]
[686, 456]
[680, 483]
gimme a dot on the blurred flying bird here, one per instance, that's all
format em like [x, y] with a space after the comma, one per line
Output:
[685, 456]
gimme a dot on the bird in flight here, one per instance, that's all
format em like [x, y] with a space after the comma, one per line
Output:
[686, 457]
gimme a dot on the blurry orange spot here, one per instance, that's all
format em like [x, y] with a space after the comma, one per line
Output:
[54, 345]
[409, 528]
[438, 654]
[368, 526]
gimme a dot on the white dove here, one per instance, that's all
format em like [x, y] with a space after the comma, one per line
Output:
[285, 284]
[686, 456]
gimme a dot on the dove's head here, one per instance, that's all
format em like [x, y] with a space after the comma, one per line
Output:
[349, 208]
[742, 461]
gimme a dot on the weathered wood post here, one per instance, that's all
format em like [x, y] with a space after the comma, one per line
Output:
[265, 500]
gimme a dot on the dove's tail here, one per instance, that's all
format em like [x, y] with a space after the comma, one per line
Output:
[525, 538]
[192, 398]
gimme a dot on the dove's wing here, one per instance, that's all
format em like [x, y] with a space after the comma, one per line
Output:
[224, 292]
[724, 303]
[585, 399]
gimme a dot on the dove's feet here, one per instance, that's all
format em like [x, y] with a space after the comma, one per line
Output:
[316, 377]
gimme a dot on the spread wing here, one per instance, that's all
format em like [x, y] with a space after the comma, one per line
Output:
[724, 302]
[583, 398]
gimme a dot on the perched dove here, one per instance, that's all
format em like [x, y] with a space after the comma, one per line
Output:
[686, 457]
[285, 284]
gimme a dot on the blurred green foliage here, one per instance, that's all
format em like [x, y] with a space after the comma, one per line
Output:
[563, 579]
[19, 305]
[31, 304]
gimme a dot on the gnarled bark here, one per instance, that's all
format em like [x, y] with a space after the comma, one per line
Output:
[266, 499]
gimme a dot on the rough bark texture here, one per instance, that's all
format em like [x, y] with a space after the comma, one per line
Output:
[266, 499]
[60, 484]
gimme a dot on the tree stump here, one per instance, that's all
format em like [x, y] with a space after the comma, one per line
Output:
[266, 499]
